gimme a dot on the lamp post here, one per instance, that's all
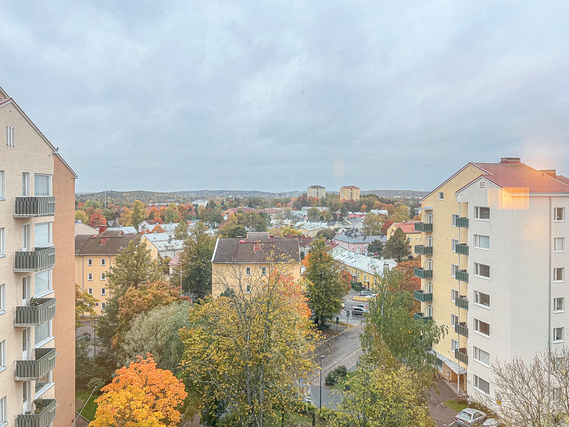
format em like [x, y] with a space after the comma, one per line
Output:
[320, 400]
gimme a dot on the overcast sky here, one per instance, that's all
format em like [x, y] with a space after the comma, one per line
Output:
[279, 95]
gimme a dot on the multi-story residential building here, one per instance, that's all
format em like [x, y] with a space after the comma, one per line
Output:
[494, 261]
[350, 192]
[94, 256]
[355, 241]
[243, 263]
[162, 245]
[37, 291]
[364, 269]
[316, 191]
[408, 228]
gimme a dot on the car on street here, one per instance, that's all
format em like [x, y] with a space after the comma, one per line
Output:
[359, 309]
[366, 293]
[491, 422]
[470, 417]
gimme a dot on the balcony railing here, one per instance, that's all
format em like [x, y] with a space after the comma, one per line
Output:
[42, 416]
[462, 222]
[38, 311]
[26, 207]
[36, 260]
[423, 250]
[461, 329]
[35, 369]
[461, 275]
[462, 249]
[423, 274]
[423, 297]
[419, 316]
[461, 355]
[461, 302]
[424, 227]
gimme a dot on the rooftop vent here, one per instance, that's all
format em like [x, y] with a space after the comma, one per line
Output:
[511, 160]
[550, 172]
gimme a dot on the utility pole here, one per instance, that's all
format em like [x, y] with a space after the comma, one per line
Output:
[320, 402]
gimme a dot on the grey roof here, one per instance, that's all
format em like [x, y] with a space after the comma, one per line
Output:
[256, 249]
[351, 237]
[107, 243]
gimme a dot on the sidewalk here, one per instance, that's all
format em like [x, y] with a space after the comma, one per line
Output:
[443, 415]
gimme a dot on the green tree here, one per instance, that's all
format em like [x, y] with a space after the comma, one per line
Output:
[324, 287]
[181, 230]
[372, 224]
[171, 214]
[375, 247]
[84, 303]
[313, 214]
[397, 247]
[326, 233]
[138, 213]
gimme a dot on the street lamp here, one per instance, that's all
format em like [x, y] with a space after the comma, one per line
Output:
[320, 402]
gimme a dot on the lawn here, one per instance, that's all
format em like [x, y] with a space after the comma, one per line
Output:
[452, 404]
[91, 408]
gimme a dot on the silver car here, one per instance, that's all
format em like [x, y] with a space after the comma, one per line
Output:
[470, 417]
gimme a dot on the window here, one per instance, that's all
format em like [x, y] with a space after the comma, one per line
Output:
[481, 327]
[481, 356]
[481, 213]
[42, 234]
[453, 295]
[42, 185]
[26, 289]
[558, 214]
[558, 304]
[103, 276]
[9, 136]
[89, 261]
[559, 274]
[481, 299]
[90, 276]
[481, 385]
[429, 287]
[453, 244]
[4, 410]
[42, 382]
[453, 345]
[43, 332]
[453, 320]
[2, 185]
[441, 195]
[247, 289]
[26, 237]
[42, 282]
[90, 291]
[454, 269]
[2, 355]
[482, 184]
[2, 241]
[264, 271]
[454, 219]
[559, 244]
[103, 291]
[103, 261]
[558, 334]
[481, 270]
[248, 271]
[103, 305]
[3, 298]
[481, 242]
[25, 184]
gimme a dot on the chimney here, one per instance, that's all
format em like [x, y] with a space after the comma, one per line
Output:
[511, 160]
[102, 228]
[549, 172]
[256, 247]
[104, 240]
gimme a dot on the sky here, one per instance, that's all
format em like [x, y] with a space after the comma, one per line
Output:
[279, 95]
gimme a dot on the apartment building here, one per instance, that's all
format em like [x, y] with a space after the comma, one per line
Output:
[316, 191]
[350, 192]
[494, 265]
[37, 291]
[408, 228]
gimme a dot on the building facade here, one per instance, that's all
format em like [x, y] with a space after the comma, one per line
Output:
[350, 192]
[316, 191]
[408, 228]
[493, 268]
[37, 291]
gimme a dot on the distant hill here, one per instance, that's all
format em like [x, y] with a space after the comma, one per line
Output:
[398, 193]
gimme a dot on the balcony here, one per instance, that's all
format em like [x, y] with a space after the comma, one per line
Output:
[461, 275]
[461, 355]
[461, 329]
[35, 369]
[462, 222]
[462, 249]
[43, 415]
[38, 311]
[423, 297]
[419, 316]
[424, 227]
[461, 302]
[27, 207]
[423, 250]
[36, 260]
[423, 274]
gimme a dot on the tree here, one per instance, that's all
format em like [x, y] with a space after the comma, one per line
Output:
[171, 214]
[138, 213]
[400, 214]
[81, 216]
[326, 233]
[397, 247]
[97, 219]
[181, 230]
[324, 286]
[375, 247]
[313, 214]
[245, 352]
[372, 224]
[125, 218]
[195, 262]
[84, 303]
[140, 395]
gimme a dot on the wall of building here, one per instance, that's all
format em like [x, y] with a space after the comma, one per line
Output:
[97, 285]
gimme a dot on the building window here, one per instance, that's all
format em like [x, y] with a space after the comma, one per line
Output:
[103, 276]
[3, 298]
[453, 345]
[42, 234]
[558, 334]
[90, 291]
[89, 261]
[264, 271]
[2, 241]
[26, 237]
[43, 383]
[2, 355]
[103, 305]
[559, 214]
[4, 411]
[559, 274]
[453, 295]
[558, 304]
[103, 291]
[42, 185]
[454, 219]
[248, 271]
[90, 276]
[247, 289]
[453, 320]
[9, 136]
[25, 184]
[482, 327]
[454, 269]
[441, 195]
[481, 213]
[453, 244]
[481, 385]
[559, 244]
[481, 298]
[2, 185]
[481, 356]
[42, 282]
[482, 184]
[481, 242]
[43, 332]
[103, 261]
[481, 270]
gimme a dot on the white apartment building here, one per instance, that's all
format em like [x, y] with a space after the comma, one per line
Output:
[316, 191]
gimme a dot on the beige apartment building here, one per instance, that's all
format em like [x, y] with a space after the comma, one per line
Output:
[316, 191]
[350, 192]
[37, 290]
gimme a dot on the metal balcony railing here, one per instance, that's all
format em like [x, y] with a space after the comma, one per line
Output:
[26, 207]
[36, 260]
[423, 297]
[462, 222]
[419, 316]
[35, 369]
[461, 302]
[461, 275]
[461, 329]
[462, 249]
[424, 227]
[38, 311]
[43, 415]
[461, 355]
[423, 274]
[423, 250]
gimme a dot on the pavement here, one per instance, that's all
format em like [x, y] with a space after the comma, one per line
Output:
[443, 415]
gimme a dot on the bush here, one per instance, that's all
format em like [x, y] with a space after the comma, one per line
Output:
[97, 383]
[357, 286]
[336, 375]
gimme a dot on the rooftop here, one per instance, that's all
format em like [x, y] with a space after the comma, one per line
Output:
[109, 242]
[256, 248]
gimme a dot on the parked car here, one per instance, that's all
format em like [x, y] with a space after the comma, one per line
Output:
[359, 309]
[470, 417]
[491, 422]
[366, 293]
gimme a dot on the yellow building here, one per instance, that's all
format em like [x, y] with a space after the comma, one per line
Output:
[408, 228]
[364, 269]
[350, 192]
[94, 256]
[242, 264]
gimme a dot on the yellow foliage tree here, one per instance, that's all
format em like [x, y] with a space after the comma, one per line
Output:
[140, 395]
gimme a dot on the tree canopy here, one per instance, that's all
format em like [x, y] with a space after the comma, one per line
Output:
[397, 247]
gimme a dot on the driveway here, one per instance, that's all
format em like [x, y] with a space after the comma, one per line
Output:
[443, 415]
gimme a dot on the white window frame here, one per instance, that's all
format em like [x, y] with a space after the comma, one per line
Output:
[2, 242]
[453, 295]
[477, 299]
[263, 271]
[90, 291]
[49, 234]
[248, 288]
[476, 352]
[477, 213]
[26, 184]
[453, 244]
[49, 335]
[441, 195]
[103, 261]
[2, 185]
[103, 291]
[454, 219]
[477, 323]
[247, 271]
[26, 237]
[2, 298]
[49, 283]
[453, 270]
[50, 184]
[3, 361]
[556, 302]
[454, 345]
[89, 276]
[89, 262]
[477, 242]
[10, 137]
[103, 276]
[103, 305]
[560, 331]
[476, 382]
[453, 320]
[556, 212]
[4, 411]
[559, 244]
[477, 269]
[555, 274]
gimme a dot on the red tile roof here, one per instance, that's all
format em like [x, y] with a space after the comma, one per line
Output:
[408, 227]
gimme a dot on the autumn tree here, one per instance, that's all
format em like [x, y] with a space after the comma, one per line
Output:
[397, 247]
[181, 230]
[97, 219]
[171, 214]
[400, 214]
[324, 287]
[140, 395]
[326, 233]
[245, 352]
[138, 213]
[313, 214]
[125, 218]
[372, 224]
[84, 303]
[81, 216]
[408, 281]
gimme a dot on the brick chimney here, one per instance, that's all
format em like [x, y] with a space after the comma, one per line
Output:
[511, 160]
[102, 228]
[550, 172]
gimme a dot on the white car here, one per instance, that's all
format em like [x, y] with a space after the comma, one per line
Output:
[470, 417]
[359, 309]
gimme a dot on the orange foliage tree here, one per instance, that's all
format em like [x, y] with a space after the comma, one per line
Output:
[408, 281]
[140, 395]
[97, 219]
